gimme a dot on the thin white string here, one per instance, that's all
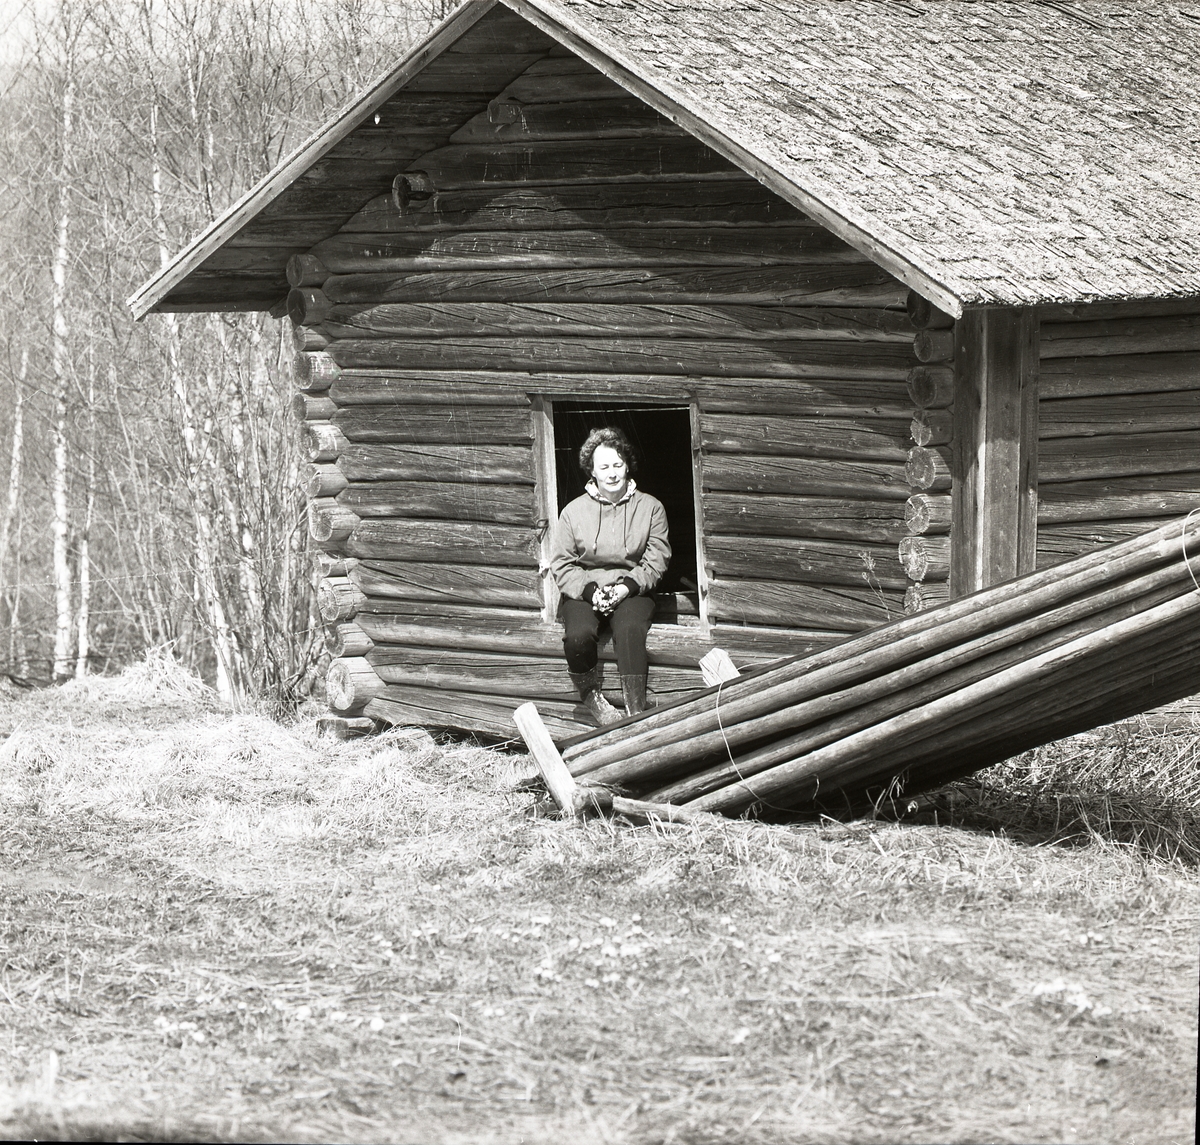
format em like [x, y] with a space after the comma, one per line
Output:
[1183, 547]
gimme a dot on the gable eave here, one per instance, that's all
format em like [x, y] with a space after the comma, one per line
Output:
[151, 294]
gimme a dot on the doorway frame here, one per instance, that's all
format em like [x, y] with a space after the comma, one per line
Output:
[546, 486]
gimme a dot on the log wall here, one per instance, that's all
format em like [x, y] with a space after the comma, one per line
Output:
[1119, 437]
[569, 242]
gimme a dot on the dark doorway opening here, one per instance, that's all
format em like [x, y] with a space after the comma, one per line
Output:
[662, 438]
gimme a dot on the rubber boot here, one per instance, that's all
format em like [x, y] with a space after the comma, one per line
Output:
[633, 688]
[593, 699]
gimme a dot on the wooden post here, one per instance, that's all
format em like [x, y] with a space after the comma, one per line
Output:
[560, 782]
[995, 448]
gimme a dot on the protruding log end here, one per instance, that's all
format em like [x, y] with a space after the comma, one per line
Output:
[346, 638]
[316, 372]
[345, 727]
[338, 599]
[313, 407]
[932, 427]
[308, 306]
[934, 345]
[924, 315]
[931, 387]
[928, 513]
[927, 470]
[920, 597]
[325, 481]
[350, 683]
[305, 338]
[330, 523]
[411, 187]
[925, 558]
[501, 111]
[306, 270]
[332, 564]
[325, 441]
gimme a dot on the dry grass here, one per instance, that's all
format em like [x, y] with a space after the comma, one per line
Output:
[215, 927]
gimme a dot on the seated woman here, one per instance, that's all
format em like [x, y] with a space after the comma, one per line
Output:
[610, 550]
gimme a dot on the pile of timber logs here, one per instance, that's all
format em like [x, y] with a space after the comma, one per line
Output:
[921, 701]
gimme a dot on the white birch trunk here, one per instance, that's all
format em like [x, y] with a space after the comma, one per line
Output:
[59, 369]
[83, 631]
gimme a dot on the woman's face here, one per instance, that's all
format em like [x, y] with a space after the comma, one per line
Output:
[610, 472]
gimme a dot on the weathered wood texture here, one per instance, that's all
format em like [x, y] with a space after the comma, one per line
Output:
[570, 243]
[1119, 422]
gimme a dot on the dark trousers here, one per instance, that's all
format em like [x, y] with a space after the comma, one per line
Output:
[630, 621]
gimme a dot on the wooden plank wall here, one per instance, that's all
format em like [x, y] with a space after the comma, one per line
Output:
[1119, 438]
[569, 241]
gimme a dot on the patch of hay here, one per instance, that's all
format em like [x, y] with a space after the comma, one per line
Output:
[158, 678]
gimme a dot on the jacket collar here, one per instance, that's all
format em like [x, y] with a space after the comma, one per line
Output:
[594, 493]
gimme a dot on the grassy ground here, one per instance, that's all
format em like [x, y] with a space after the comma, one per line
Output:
[214, 927]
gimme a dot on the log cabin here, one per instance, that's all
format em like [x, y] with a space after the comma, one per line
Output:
[897, 300]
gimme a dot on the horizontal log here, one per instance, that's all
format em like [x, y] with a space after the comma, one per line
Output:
[805, 560]
[1120, 336]
[315, 371]
[925, 558]
[834, 518]
[449, 542]
[486, 74]
[498, 35]
[798, 397]
[782, 359]
[434, 387]
[852, 284]
[1118, 455]
[510, 121]
[595, 206]
[339, 598]
[1121, 413]
[306, 270]
[653, 247]
[1122, 374]
[1148, 496]
[403, 706]
[924, 315]
[568, 161]
[805, 477]
[554, 79]
[574, 319]
[345, 638]
[868, 439]
[325, 481]
[782, 604]
[934, 345]
[931, 387]
[508, 674]
[459, 584]
[443, 500]
[433, 425]
[1057, 543]
[350, 683]
[330, 523]
[932, 427]
[496, 630]
[927, 471]
[1138, 308]
[921, 597]
[489, 464]
[313, 407]
[928, 513]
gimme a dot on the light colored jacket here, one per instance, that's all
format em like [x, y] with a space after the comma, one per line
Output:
[602, 543]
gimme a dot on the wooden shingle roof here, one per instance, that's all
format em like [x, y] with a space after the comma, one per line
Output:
[1014, 152]
[998, 153]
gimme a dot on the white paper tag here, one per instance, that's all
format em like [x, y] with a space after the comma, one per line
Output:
[716, 666]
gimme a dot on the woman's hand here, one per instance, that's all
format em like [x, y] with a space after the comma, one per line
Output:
[607, 599]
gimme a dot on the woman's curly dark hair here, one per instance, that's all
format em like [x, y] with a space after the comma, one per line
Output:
[614, 439]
